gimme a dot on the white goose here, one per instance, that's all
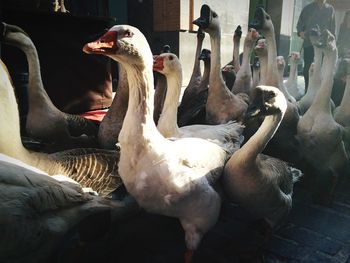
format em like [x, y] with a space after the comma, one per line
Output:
[291, 84]
[44, 121]
[319, 135]
[222, 105]
[227, 135]
[165, 176]
[92, 168]
[244, 81]
[262, 184]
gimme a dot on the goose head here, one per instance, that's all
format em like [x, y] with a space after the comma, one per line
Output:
[125, 44]
[343, 69]
[14, 35]
[167, 63]
[262, 20]
[238, 33]
[261, 47]
[266, 100]
[166, 49]
[208, 20]
[294, 57]
[205, 55]
[281, 63]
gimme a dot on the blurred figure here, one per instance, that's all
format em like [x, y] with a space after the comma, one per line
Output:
[316, 13]
[343, 41]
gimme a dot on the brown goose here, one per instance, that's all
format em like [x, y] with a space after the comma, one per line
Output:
[261, 184]
[194, 87]
[320, 136]
[283, 145]
[92, 168]
[40, 216]
[44, 121]
[243, 83]
[222, 105]
[179, 181]
[112, 122]
[193, 112]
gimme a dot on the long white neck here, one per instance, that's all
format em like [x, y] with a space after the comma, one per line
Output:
[315, 81]
[323, 95]
[263, 69]
[292, 72]
[257, 143]
[167, 124]
[37, 94]
[138, 125]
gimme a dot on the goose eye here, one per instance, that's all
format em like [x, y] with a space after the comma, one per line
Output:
[128, 33]
[268, 17]
[171, 57]
[214, 14]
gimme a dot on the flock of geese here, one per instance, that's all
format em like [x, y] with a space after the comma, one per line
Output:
[240, 135]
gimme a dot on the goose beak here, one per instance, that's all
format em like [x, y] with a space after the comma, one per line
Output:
[205, 17]
[258, 20]
[158, 63]
[238, 31]
[107, 44]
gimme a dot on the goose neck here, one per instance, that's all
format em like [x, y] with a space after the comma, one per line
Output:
[346, 96]
[257, 143]
[272, 71]
[138, 122]
[215, 79]
[167, 123]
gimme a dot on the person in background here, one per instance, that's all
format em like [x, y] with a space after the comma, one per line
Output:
[316, 13]
[343, 41]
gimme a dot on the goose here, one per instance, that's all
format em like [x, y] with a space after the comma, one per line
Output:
[222, 105]
[320, 136]
[256, 72]
[112, 122]
[283, 145]
[263, 23]
[235, 62]
[44, 121]
[59, 6]
[261, 51]
[292, 82]
[165, 176]
[261, 184]
[342, 112]
[315, 78]
[193, 112]
[92, 168]
[281, 64]
[227, 135]
[243, 83]
[194, 86]
[160, 90]
[39, 214]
